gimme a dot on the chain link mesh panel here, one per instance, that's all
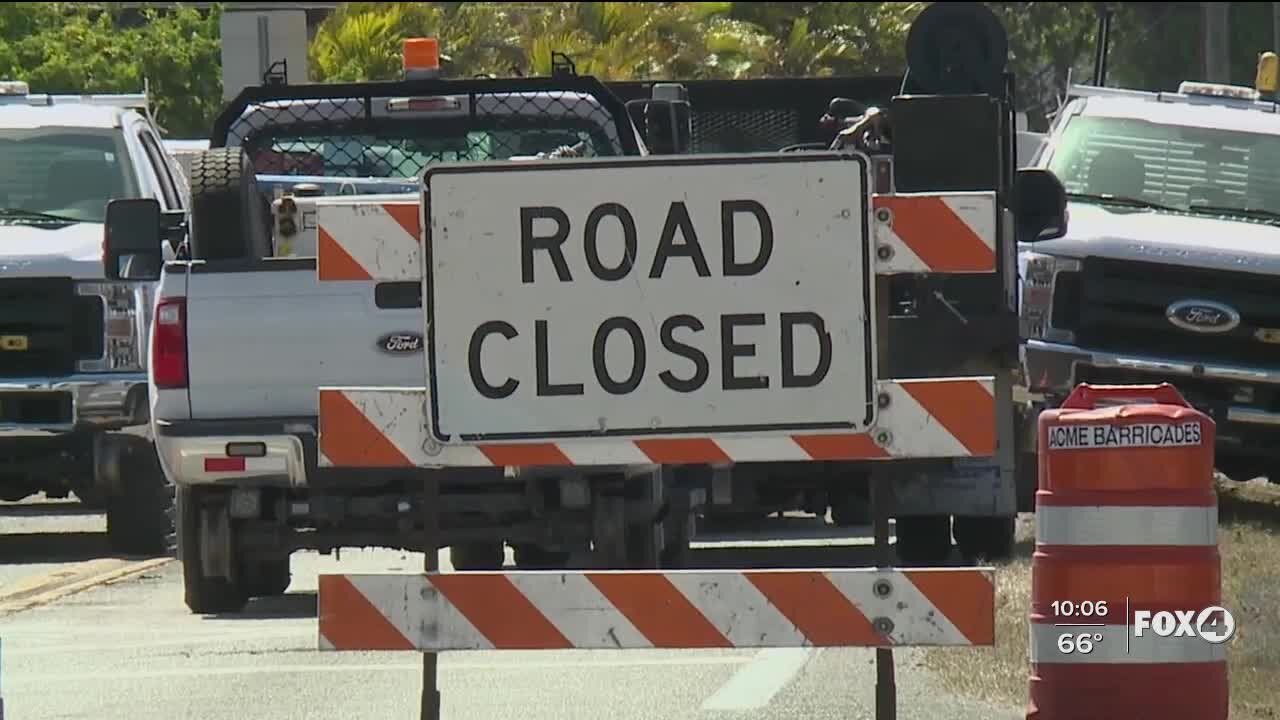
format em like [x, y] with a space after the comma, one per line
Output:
[398, 137]
[734, 131]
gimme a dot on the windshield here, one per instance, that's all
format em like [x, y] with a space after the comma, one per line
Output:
[71, 173]
[404, 151]
[1181, 167]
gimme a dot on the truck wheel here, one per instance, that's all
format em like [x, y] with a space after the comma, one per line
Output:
[848, 509]
[990, 538]
[15, 494]
[229, 220]
[643, 548]
[267, 577]
[535, 557]
[90, 498]
[677, 529]
[923, 539]
[203, 595]
[477, 556]
[139, 517]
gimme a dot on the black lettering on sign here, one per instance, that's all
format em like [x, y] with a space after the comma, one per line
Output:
[474, 348]
[542, 365]
[606, 381]
[678, 219]
[1121, 436]
[551, 243]
[729, 239]
[731, 350]
[701, 368]
[591, 241]
[789, 376]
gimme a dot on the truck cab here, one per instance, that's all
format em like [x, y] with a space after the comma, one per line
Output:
[73, 382]
[1171, 265]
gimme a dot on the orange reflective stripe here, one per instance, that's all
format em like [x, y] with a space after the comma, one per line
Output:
[349, 439]
[348, 621]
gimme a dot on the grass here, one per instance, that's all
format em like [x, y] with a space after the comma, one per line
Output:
[1250, 588]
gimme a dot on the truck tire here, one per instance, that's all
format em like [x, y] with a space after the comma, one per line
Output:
[267, 577]
[477, 556]
[229, 219]
[849, 509]
[531, 556]
[923, 539]
[989, 538]
[678, 528]
[139, 516]
[203, 595]
[14, 494]
[91, 498]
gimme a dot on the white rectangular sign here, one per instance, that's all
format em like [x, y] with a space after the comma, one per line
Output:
[640, 296]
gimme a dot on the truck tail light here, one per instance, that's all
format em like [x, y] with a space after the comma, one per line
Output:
[169, 350]
[227, 464]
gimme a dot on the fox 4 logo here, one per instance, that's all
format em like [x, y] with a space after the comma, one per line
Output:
[1212, 624]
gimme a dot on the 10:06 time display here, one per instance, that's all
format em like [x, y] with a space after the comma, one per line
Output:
[1084, 608]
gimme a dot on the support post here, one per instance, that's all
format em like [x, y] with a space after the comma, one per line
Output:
[1216, 41]
[1275, 27]
[886, 689]
[430, 563]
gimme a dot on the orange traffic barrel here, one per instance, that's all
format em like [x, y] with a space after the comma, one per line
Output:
[1126, 561]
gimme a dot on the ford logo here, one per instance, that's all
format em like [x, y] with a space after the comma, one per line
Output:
[401, 343]
[1203, 316]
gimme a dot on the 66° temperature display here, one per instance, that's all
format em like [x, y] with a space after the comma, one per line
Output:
[1071, 643]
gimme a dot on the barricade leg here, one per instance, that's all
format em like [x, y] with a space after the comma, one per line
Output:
[430, 564]
[886, 689]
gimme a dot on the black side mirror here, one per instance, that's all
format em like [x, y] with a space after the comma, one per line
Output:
[1040, 211]
[131, 249]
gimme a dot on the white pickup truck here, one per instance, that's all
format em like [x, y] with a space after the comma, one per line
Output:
[73, 383]
[1171, 268]
[245, 334]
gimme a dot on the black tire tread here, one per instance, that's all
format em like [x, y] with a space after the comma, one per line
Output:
[203, 595]
[227, 219]
[923, 539]
[477, 556]
[140, 516]
[986, 538]
[267, 577]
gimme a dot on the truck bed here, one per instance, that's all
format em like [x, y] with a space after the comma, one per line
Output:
[262, 341]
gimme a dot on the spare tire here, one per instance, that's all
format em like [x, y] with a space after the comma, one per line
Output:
[229, 218]
[957, 48]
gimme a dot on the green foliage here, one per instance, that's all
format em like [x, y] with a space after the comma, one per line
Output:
[104, 48]
[617, 40]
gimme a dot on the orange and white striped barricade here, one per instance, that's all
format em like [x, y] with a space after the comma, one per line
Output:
[510, 261]
[643, 609]
[1126, 531]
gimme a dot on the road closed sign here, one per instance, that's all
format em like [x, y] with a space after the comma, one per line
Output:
[643, 296]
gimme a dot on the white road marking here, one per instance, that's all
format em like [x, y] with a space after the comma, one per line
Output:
[754, 685]
[506, 667]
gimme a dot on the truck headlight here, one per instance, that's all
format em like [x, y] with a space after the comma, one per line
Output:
[1040, 275]
[122, 326]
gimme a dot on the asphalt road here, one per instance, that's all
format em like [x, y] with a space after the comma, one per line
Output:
[40, 536]
[130, 649]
